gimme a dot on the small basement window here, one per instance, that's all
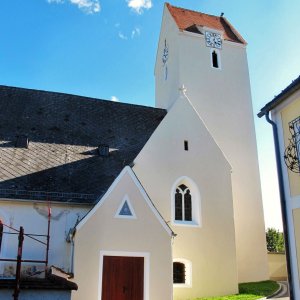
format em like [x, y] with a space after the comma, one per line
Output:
[182, 273]
[178, 272]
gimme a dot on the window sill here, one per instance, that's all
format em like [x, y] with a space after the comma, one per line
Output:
[186, 223]
[181, 285]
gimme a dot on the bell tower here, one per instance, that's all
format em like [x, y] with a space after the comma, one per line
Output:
[208, 56]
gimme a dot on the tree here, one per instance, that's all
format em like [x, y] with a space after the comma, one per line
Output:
[275, 240]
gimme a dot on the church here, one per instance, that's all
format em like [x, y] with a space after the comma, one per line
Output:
[139, 202]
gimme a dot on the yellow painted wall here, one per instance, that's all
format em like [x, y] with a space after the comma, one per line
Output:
[283, 114]
[103, 232]
[296, 216]
[277, 266]
[288, 114]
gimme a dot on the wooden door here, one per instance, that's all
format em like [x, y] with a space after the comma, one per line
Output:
[123, 278]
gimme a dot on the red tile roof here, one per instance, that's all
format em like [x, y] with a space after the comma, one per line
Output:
[186, 18]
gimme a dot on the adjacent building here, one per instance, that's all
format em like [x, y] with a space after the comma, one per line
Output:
[283, 113]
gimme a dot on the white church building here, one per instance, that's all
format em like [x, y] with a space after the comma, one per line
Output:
[146, 203]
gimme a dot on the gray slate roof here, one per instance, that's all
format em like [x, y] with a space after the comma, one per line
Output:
[64, 131]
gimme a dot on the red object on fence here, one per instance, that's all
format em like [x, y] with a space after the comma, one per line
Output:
[1, 233]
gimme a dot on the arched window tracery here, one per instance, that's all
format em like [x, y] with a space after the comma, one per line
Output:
[183, 203]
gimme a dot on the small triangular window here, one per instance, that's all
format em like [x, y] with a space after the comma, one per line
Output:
[125, 210]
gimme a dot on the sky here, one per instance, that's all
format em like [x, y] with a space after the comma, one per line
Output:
[106, 49]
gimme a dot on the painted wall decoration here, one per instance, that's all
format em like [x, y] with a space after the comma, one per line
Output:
[292, 151]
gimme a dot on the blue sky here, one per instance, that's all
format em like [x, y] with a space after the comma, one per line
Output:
[106, 49]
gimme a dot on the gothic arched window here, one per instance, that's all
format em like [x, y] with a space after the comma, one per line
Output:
[183, 203]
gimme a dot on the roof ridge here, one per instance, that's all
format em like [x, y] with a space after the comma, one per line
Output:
[191, 10]
[234, 31]
[184, 18]
[79, 96]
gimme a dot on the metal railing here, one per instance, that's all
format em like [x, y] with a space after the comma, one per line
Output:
[19, 258]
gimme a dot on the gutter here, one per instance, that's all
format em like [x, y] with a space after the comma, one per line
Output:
[292, 88]
[282, 201]
[72, 254]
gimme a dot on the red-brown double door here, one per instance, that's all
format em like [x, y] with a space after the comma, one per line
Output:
[123, 278]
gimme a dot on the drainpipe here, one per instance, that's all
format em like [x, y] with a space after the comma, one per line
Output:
[70, 239]
[72, 256]
[283, 204]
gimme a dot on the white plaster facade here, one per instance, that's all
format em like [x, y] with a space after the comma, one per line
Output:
[222, 97]
[208, 242]
[33, 217]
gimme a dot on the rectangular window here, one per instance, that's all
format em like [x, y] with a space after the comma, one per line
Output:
[215, 58]
[186, 145]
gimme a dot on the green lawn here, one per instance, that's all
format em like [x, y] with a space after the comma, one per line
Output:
[250, 291]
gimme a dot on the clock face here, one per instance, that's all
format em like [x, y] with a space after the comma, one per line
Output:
[213, 40]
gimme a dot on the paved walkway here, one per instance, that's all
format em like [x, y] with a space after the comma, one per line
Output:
[283, 293]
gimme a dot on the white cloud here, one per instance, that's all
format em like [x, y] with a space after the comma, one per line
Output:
[115, 99]
[135, 32]
[88, 6]
[122, 36]
[139, 5]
